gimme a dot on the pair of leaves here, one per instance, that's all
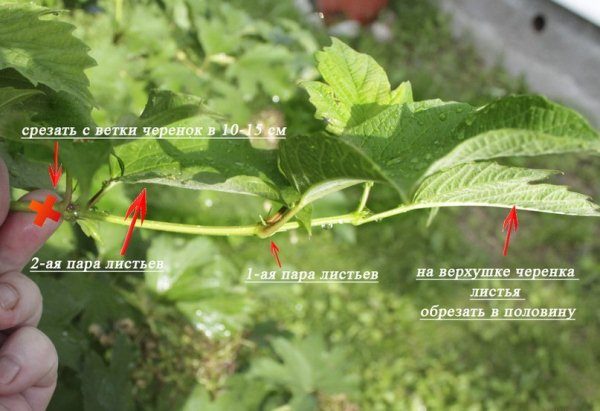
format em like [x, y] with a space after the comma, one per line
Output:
[378, 134]
[215, 164]
[409, 144]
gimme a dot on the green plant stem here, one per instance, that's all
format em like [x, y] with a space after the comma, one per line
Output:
[68, 194]
[107, 185]
[20, 206]
[355, 218]
[247, 230]
[365, 197]
[118, 10]
[361, 210]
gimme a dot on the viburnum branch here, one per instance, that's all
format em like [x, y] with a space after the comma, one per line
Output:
[244, 230]
[358, 217]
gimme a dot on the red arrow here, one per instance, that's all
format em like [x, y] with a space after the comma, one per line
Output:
[511, 223]
[55, 170]
[138, 207]
[275, 252]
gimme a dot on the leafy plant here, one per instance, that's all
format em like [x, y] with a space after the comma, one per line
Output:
[433, 153]
[196, 47]
[421, 154]
[307, 370]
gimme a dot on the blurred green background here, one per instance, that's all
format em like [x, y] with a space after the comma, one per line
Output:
[198, 338]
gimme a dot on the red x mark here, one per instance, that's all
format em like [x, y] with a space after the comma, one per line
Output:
[44, 211]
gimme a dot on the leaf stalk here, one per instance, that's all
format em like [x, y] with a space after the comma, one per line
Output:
[106, 185]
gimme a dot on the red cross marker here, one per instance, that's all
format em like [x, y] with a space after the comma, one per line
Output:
[44, 210]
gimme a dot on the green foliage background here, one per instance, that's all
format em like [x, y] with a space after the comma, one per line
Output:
[201, 339]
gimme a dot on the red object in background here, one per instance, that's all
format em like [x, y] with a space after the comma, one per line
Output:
[138, 207]
[511, 223]
[54, 170]
[363, 11]
[275, 252]
[44, 210]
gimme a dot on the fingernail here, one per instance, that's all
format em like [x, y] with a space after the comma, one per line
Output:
[8, 296]
[8, 370]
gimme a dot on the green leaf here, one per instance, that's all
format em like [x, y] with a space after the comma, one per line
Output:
[298, 367]
[307, 402]
[103, 304]
[83, 159]
[200, 281]
[90, 228]
[405, 139]
[320, 165]
[306, 367]
[10, 96]
[239, 390]
[24, 173]
[357, 87]
[23, 104]
[62, 307]
[219, 316]
[222, 31]
[42, 106]
[388, 138]
[402, 94]
[166, 107]
[395, 146]
[44, 51]
[304, 217]
[175, 253]
[228, 165]
[492, 185]
[520, 126]
[31, 157]
[264, 66]
[192, 268]
[314, 163]
[108, 387]
[77, 299]
[200, 164]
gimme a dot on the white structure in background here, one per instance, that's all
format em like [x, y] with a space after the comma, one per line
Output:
[555, 44]
[588, 9]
